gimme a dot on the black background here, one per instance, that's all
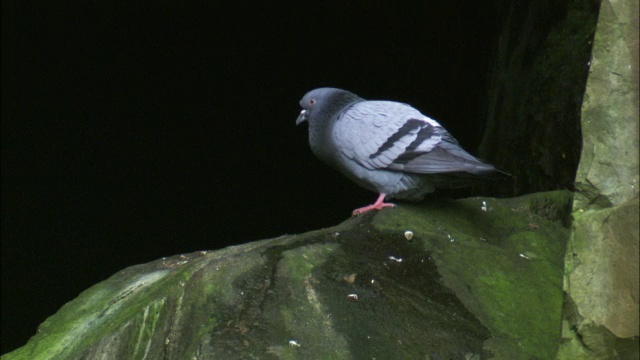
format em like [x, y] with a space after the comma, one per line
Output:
[133, 132]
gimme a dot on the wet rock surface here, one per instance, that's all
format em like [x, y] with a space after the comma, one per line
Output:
[480, 278]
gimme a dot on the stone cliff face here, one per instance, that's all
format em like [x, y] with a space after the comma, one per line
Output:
[602, 274]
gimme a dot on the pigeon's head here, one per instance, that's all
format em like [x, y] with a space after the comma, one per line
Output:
[323, 103]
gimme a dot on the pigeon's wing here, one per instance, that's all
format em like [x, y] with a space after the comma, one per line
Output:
[376, 134]
[395, 136]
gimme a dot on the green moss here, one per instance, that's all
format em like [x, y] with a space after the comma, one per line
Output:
[122, 304]
[503, 259]
[304, 313]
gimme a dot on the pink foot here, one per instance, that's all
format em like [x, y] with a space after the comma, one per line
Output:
[378, 205]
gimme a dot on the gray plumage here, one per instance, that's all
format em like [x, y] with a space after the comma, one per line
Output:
[385, 146]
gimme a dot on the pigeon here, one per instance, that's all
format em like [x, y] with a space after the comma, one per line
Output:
[385, 146]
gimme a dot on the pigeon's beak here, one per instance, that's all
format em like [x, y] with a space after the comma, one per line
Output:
[302, 117]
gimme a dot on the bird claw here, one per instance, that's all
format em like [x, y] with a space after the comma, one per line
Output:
[376, 206]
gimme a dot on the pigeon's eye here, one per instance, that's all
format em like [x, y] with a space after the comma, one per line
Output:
[312, 101]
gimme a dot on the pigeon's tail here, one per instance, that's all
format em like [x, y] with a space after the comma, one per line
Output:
[455, 180]
[449, 166]
[443, 159]
[493, 175]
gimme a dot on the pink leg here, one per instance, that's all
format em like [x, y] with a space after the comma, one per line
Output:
[378, 205]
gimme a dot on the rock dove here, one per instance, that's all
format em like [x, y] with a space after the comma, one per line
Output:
[385, 146]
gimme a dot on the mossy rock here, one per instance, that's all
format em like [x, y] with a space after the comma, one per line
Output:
[480, 278]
